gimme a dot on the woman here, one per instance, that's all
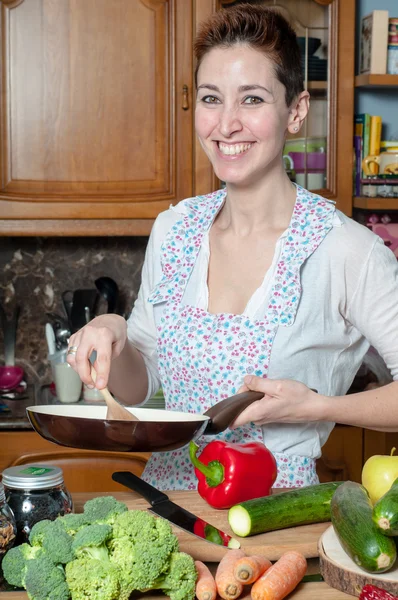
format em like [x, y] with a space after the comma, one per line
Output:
[262, 286]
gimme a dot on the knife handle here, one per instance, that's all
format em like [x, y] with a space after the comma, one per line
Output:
[135, 483]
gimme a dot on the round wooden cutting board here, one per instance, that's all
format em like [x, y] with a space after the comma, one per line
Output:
[340, 572]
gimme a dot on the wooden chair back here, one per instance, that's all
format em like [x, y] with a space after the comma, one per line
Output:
[89, 471]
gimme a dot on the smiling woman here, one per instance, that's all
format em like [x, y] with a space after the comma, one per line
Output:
[260, 286]
[242, 121]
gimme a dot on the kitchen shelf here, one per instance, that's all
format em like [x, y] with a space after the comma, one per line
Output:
[377, 203]
[317, 85]
[368, 80]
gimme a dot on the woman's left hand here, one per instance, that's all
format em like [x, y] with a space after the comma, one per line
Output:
[285, 401]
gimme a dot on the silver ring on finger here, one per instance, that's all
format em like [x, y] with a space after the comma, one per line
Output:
[72, 349]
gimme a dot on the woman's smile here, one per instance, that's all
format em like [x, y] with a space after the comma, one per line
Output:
[233, 151]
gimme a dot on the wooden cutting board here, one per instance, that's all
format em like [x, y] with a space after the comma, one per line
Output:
[305, 591]
[272, 544]
[340, 572]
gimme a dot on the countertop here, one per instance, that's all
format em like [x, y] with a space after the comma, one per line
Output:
[313, 590]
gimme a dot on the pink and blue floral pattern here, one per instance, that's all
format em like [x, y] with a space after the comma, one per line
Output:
[204, 357]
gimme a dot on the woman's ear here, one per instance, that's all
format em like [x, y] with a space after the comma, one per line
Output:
[298, 112]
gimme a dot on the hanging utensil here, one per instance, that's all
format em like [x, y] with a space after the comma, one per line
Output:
[109, 290]
[84, 305]
[67, 300]
[115, 411]
[10, 374]
[50, 338]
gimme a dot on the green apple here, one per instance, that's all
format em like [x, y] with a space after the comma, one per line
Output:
[379, 473]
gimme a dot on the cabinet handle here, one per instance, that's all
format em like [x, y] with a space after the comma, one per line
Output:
[185, 101]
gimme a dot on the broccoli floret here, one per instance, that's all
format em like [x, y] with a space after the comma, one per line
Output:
[52, 537]
[131, 575]
[15, 561]
[72, 523]
[38, 531]
[91, 579]
[45, 581]
[104, 509]
[179, 581]
[141, 546]
[91, 541]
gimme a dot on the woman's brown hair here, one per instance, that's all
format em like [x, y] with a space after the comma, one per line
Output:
[262, 29]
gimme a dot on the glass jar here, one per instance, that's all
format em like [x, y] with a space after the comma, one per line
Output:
[8, 529]
[35, 492]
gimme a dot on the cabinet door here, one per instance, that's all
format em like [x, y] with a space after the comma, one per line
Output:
[96, 114]
[320, 157]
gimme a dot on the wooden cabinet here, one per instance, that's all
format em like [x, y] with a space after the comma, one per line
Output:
[347, 450]
[97, 112]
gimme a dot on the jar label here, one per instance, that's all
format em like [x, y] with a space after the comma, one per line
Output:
[36, 470]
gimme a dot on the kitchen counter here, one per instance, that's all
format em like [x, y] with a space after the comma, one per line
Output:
[275, 542]
[13, 412]
[305, 591]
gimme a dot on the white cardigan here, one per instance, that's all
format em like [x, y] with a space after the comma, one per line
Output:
[349, 301]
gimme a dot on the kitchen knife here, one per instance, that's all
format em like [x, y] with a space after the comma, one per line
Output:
[163, 507]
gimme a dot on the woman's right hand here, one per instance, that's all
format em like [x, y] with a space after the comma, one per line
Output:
[107, 335]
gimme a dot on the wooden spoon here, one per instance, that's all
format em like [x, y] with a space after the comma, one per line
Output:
[115, 412]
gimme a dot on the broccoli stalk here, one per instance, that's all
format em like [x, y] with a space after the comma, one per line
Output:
[179, 581]
[91, 541]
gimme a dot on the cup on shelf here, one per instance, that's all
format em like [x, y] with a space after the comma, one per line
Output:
[385, 163]
[68, 385]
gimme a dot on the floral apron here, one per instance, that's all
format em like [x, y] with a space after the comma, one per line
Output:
[204, 357]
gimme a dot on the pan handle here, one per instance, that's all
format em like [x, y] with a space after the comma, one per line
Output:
[222, 414]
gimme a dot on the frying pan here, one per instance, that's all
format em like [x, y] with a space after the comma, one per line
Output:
[87, 428]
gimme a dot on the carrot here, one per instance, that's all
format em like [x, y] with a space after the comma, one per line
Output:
[205, 585]
[227, 586]
[249, 568]
[281, 578]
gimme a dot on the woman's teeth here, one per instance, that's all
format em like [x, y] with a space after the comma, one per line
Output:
[233, 149]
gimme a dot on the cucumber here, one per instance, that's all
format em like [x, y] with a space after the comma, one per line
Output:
[351, 512]
[385, 511]
[302, 506]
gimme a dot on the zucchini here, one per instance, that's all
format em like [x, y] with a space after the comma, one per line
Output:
[385, 511]
[302, 506]
[351, 512]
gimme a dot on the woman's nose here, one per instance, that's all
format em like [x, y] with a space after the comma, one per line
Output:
[229, 122]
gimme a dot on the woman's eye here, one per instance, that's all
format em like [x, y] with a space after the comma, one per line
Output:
[210, 99]
[253, 100]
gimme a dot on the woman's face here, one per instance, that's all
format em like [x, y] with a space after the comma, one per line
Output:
[241, 115]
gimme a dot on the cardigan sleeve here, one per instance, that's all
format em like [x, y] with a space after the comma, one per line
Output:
[373, 309]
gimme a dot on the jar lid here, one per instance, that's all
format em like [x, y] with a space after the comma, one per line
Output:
[2, 493]
[32, 477]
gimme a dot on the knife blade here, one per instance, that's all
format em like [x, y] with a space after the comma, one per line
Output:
[162, 506]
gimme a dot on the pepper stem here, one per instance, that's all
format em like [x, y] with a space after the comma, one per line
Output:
[214, 471]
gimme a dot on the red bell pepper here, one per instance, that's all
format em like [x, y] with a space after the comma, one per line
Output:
[232, 473]
[371, 592]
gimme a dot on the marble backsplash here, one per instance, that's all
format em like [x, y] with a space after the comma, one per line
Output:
[35, 271]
